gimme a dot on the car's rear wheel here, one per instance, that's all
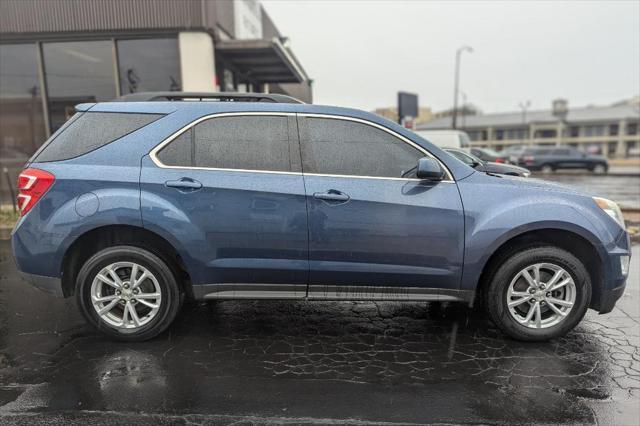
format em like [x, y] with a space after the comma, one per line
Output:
[128, 293]
[538, 293]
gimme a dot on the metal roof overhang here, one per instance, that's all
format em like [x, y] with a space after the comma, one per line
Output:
[264, 61]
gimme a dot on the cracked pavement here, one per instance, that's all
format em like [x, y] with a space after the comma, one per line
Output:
[313, 362]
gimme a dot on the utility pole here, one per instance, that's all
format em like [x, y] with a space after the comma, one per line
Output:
[457, 81]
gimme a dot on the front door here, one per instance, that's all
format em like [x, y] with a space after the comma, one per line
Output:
[375, 231]
[230, 189]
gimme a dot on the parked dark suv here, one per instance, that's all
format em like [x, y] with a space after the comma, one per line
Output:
[549, 159]
[132, 206]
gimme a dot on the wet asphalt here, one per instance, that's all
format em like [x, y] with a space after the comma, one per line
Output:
[623, 188]
[313, 362]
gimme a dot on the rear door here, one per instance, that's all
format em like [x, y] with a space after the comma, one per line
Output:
[230, 189]
[376, 232]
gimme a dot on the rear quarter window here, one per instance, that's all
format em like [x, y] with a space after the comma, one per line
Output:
[90, 131]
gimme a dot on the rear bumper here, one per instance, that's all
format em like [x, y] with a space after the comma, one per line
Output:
[51, 285]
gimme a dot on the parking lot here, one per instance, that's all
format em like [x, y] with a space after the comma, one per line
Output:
[622, 185]
[300, 362]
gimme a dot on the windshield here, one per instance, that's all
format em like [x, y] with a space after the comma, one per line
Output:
[464, 140]
[466, 158]
[514, 149]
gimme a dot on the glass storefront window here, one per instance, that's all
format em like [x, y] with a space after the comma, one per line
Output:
[149, 65]
[77, 72]
[22, 128]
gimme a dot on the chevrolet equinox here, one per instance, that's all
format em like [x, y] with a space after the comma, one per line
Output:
[134, 205]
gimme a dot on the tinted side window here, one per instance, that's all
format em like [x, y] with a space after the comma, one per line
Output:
[90, 131]
[178, 152]
[563, 152]
[340, 147]
[243, 142]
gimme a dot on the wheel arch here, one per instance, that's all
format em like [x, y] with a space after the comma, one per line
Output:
[574, 242]
[103, 237]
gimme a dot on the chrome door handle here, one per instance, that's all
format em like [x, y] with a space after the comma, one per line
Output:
[183, 183]
[331, 195]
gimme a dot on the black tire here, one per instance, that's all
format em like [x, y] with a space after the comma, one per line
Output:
[171, 294]
[600, 169]
[512, 264]
[547, 168]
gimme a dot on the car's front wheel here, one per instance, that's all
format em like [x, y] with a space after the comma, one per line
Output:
[599, 169]
[128, 293]
[538, 293]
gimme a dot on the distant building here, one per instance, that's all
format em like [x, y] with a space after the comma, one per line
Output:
[424, 114]
[613, 129]
[57, 54]
[462, 112]
[635, 101]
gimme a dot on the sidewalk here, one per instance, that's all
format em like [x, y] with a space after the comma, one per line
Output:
[627, 166]
[625, 162]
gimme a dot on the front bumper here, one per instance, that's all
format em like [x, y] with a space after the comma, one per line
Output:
[51, 285]
[615, 279]
[609, 298]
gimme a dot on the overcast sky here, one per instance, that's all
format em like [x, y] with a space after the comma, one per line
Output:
[360, 53]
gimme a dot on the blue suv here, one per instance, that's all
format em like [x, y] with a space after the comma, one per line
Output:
[132, 206]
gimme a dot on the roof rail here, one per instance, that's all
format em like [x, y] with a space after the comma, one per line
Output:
[208, 96]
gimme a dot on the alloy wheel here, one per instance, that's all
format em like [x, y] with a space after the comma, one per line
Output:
[541, 295]
[126, 295]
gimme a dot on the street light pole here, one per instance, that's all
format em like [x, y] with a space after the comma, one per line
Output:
[464, 108]
[456, 82]
[524, 106]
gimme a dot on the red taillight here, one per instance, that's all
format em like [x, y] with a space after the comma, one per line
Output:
[32, 185]
[500, 160]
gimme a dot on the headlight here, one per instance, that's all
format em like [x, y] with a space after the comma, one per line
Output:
[611, 209]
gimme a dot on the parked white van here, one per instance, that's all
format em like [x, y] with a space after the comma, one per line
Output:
[446, 138]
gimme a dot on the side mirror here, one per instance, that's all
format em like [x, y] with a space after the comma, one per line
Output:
[429, 169]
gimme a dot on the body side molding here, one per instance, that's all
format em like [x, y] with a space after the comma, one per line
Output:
[231, 291]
